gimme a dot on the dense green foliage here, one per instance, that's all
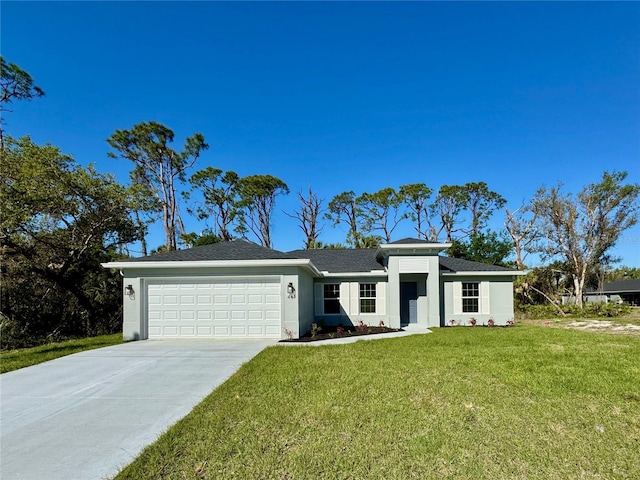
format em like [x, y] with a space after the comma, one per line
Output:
[590, 310]
[581, 229]
[159, 168]
[470, 403]
[60, 220]
[489, 247]
[15, 84]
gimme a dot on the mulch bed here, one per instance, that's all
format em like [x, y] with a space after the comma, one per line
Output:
[328, 333]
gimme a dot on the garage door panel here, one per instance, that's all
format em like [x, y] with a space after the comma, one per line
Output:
[170, 315]
[238, 331]
[255, 331]
[272, 299]
[169, 331]
[188, 331]
[187, 300]
[204, 331]
[210, 308]
[204, 300]
[155, 300]
[221, 300]
[255, 299]
[272, 314]
[238, 299]
[221, 331]
[169, 300]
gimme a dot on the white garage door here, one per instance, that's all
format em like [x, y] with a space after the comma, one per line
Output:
[214, 308]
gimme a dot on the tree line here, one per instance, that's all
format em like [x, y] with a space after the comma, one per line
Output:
[60, 220]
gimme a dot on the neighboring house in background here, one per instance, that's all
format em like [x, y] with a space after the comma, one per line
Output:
[626, 290]
[239, 289]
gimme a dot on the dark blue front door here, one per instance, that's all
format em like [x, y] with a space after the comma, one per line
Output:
[408, 297]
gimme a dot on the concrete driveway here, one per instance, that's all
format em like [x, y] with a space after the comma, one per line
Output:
[85, 416]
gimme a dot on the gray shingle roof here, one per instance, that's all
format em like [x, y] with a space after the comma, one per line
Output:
[622, 286]
[459, 265]
[407, 241]
[233, 250]
[342, 260]
[329, 260]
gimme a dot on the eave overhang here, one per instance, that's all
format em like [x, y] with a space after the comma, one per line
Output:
[486, 273]
[373, 273]
[151, 265]
[411, 249]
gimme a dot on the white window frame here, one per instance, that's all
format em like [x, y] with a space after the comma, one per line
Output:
[371, 296]
[336, 287]
[484, 303]
[475, 295]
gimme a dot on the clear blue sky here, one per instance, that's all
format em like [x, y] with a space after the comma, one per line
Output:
[345, 96]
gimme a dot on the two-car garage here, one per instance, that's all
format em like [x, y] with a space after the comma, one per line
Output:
[226, 290]
[214, 308]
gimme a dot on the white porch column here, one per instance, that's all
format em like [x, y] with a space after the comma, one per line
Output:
[393, 295]
[433, 292]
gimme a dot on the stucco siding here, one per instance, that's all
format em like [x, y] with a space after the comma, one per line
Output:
[135, 314]
[350, 312]
[305, 303]
[495, 298]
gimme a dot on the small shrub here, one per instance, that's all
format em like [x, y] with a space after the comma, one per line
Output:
[452, 323]
[590, 310]
[491, 322]
[473, 321]
[288, 333]
[315, 329]
[510, 322]
[381, 324]
[608, 310]
[362, 327]
[340, 330]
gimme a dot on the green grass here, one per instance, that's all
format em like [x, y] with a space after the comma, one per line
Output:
[25, 357]
[460, 403]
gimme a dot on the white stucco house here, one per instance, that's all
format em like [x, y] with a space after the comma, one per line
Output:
[240, 289]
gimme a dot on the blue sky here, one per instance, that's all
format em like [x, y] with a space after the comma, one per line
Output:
[344, 96]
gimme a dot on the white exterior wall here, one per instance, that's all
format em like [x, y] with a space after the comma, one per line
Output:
[410, 267]
[135, 323]
[496, 300]
[350, 302]
[305, 304]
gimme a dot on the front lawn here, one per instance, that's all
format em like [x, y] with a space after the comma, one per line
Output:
[465, 403]
[25, 357]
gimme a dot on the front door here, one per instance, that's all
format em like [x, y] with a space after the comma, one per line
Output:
[408, 303]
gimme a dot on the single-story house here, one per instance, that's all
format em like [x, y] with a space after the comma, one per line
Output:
[627, 290]
[240, 289]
